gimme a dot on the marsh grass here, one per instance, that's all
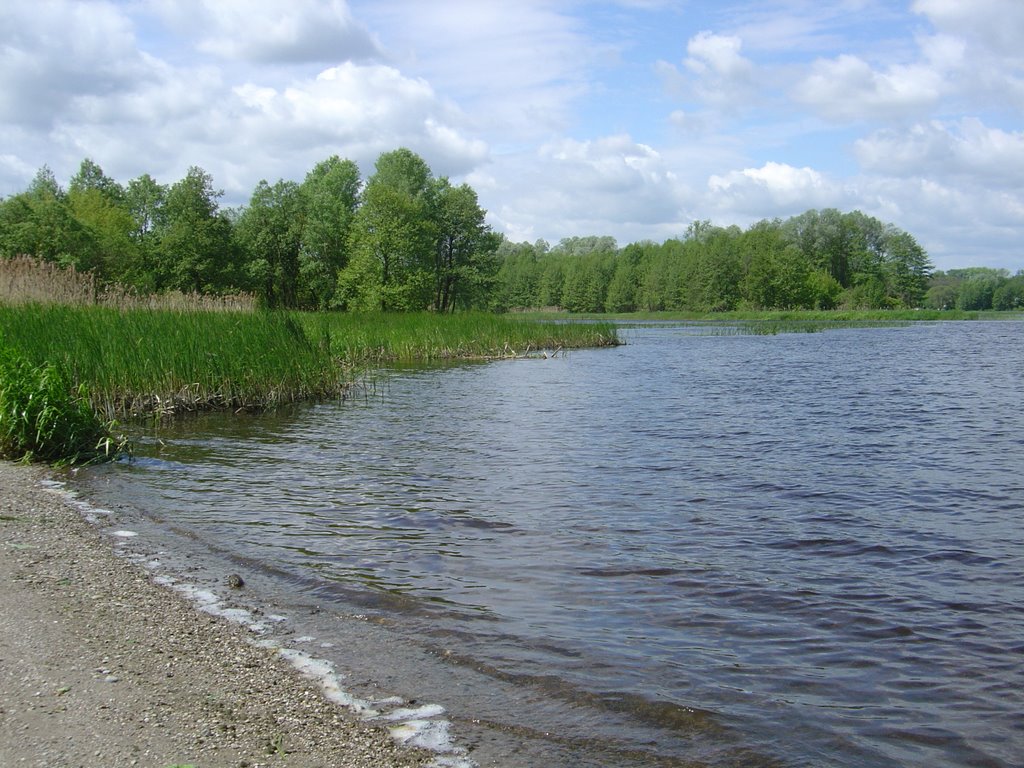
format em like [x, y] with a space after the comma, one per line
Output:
[27, 280]
[163, 362]
[429, 337]
[44, 417]
[765, 323]
[158, 362]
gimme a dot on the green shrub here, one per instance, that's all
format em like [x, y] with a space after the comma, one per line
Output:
[44, 418]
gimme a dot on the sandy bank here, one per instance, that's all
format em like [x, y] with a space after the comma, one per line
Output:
[101, 667]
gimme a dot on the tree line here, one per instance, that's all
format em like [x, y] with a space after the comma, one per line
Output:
[404, 239]
[817, 260]
[401, 240]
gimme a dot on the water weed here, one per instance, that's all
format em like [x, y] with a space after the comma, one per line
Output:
[144, 362]
[43, 417]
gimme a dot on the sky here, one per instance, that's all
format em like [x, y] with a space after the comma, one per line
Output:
[629, 118]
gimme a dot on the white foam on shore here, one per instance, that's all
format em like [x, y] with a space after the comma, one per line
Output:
[421, 726]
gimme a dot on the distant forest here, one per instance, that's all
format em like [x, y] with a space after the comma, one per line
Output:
[403, 239]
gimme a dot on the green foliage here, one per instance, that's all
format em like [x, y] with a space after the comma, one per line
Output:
[43, 417]
[142, 361]
[329, 198]
[422, 336]
[269, 232]
[407, 241]
[145, 362]
[817, 260]
[194, 250]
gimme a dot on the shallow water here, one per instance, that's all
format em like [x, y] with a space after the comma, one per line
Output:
[795, 550]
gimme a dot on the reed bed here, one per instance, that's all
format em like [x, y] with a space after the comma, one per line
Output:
[27, 280]
[145, 362]
[425, 337]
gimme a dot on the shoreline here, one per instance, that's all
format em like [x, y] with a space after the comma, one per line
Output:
[102, 666]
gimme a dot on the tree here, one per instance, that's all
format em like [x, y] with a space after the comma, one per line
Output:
[393, 239]
[906, 267]
[1010, 295]
[516, 282]
[145, 200]
[464, 266]
[195, 249]
[777, 273]
[98, 203]
[39, 222]
[329, 198]
[268, 234]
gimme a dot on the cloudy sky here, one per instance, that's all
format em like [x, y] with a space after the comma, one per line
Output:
[628, 118]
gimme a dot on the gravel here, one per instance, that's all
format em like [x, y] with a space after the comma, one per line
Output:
[101, 667]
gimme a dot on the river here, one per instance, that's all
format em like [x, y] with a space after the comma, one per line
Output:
[690, 550]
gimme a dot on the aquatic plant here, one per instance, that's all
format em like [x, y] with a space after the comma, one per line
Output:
[427, 336]
[43, 417]
[142, 362]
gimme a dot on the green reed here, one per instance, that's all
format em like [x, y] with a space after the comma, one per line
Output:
[425, 337]
[43, 417]
[140, 362]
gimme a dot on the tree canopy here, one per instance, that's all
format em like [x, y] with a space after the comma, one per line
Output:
[404, 239]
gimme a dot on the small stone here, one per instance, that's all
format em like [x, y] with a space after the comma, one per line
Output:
[235, 581]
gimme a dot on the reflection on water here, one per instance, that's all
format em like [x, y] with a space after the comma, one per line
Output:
[733, 550]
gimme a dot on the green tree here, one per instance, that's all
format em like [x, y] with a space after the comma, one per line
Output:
[268, 234]
[39, 222]
[393, 239]
[98, 203]
[906, 267]
[777, 273]
[464, 266]
[144, 199]
[329, 198]
[1010, 295]
[517, 279]
[195, 250]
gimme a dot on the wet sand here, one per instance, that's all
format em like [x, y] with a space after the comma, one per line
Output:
[99, 666]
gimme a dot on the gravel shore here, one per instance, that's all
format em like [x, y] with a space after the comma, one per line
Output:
[101, 667]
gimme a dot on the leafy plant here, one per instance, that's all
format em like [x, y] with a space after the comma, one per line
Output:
[44, 418]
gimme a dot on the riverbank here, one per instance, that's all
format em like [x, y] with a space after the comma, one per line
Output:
[99, 666]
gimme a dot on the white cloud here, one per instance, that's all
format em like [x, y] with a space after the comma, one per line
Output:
[988, 156]
[518, 68]
[273, 31]
[774, 189]
[847, 88]
[571, 187]
[717, 74]
[54, 55]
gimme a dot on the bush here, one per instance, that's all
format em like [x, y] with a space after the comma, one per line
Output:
[44, 418]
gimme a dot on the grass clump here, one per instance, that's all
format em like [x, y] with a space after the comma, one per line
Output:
[144, 362]
[426, 337]
[43, 417]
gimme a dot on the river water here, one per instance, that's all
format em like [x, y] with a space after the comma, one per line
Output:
[691, 550]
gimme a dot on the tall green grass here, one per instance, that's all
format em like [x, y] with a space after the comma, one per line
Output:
[44, 418]
[426, 337]
[140, 362]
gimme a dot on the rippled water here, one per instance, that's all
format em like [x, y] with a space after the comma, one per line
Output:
[795, 550]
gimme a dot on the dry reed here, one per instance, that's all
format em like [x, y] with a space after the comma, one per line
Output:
[27, 280]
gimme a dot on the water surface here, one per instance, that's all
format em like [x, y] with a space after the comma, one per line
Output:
[692, 550]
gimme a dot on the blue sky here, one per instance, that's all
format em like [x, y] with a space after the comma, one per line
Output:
[629, 118]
